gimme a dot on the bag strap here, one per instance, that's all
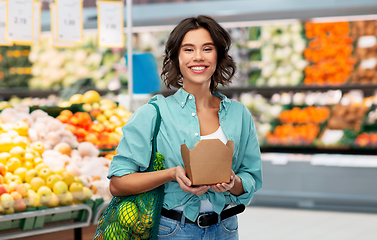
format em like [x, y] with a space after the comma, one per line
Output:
[154, 140]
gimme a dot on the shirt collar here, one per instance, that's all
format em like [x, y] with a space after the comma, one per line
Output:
[182, 97]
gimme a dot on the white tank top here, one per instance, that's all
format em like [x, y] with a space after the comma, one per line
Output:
[206, 205]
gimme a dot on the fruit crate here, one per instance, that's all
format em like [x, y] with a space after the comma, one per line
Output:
[41, 220]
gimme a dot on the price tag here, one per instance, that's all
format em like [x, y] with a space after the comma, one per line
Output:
[55, 43]
[69, 20]
[110, 24]
[20, 22]
[3, 20]
[37, 22]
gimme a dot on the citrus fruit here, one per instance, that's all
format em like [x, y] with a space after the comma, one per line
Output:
[140, 227]
[128, 214]
[91, 96]
[114, 231]
[77, 98]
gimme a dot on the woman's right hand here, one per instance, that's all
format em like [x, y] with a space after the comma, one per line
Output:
[185, 183]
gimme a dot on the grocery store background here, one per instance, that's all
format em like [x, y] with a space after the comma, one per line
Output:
[307, 71]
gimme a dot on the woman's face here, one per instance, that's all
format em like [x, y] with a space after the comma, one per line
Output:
[197, 57]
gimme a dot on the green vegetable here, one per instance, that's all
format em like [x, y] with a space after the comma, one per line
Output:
[159, 162]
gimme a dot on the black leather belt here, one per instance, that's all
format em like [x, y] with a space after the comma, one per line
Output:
[204, 220]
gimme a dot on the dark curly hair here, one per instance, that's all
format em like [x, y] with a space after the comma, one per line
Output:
[226, 67]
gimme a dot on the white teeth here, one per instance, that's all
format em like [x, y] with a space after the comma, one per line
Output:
[198, 68]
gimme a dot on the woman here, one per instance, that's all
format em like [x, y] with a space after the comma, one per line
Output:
[196, 61]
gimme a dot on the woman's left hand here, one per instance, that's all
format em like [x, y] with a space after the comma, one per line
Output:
[222, 187]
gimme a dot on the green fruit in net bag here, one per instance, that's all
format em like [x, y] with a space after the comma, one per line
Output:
[128, 214]
[114, 231]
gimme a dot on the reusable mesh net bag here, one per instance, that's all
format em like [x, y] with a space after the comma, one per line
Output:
[136, 216]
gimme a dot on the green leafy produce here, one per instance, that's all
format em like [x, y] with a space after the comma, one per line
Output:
[159, 161]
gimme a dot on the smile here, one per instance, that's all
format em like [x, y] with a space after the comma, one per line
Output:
[198, 68]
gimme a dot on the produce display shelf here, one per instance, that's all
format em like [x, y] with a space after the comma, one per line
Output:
[41, 221]
[267, 91]
[319, 181]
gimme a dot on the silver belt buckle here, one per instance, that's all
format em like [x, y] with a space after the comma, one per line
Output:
[198, 220]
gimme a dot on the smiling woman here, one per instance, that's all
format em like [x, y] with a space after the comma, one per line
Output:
[196, 61]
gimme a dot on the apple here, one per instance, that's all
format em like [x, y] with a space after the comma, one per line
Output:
[60, 187]
[29, 199]
[87, 193]
[65, 199]
[30, 174]
[15, 179]
[77, 191]
[4, 156]
[37, 161]
[13, 163]
[29, 157]
[3, 189]
[68, 178]
[17, 152]
[3, 169]
[7, 176]
[79, 180]
[38, 147]
[40, 166]
[19, 205]
[20, 141]
[21, 172]
[12, 186]
[1, 179]
[52, 179]
[22, 189]
[9, 210]
[36, 183]
[45, 193]
[54, 201]
[32, 199]
[28, 165]
[16, 195]
[27, 185]
[45, 173]
[6, 200]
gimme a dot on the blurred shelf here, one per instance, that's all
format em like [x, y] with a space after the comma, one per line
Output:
[312, 150]
[267, 91]
[45, 221]
[300, 184]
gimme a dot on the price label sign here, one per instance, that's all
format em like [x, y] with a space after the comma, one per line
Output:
[110, 24]
[54, 33]
[69, 20]
[20, 24]
[3, 20]
[37, 22]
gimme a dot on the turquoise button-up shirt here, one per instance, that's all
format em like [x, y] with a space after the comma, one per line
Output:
[180, 125]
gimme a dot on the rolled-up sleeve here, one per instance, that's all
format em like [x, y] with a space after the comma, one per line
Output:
[135, 146]
[250, 170]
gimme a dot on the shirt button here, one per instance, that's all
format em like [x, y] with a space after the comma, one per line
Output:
[193, 114]
[196, 134]
[190, 97]
[183, 103]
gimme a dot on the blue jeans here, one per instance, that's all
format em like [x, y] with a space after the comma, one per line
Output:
[172, 229]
